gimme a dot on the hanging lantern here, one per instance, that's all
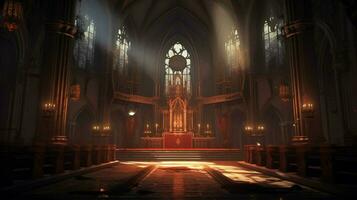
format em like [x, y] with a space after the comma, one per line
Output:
[11, 15]
[284, 93]
[75, 92]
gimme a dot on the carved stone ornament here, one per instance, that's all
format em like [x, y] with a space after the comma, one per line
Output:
[62, 27]
[296, 27]
[177, 63]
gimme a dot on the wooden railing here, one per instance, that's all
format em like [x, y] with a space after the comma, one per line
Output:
[32, 162]
[332, 164]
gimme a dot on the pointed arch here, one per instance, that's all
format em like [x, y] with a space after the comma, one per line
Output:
[178, 51]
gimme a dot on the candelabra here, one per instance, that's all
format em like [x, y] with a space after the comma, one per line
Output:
[101, 130]
[208, 131]
[147, 130]
[48, 109]
[252, 130]
[308, 110]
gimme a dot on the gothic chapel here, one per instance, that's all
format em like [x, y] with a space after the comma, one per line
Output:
[178, 99]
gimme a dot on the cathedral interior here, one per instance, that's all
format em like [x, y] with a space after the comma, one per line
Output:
[178, 99]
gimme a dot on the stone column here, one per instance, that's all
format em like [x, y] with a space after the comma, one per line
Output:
[299, 42]
[55, 73]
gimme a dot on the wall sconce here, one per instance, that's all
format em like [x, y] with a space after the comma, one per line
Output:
[254, 131]
[48, 109]
[96, 129]
[248, 128]
[106, 127]
[307, 109]
[99, 130]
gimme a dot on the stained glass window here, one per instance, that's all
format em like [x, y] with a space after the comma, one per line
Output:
[122, 46]
[232, 48]
[272, 42]
[178, 50]
[84, 45]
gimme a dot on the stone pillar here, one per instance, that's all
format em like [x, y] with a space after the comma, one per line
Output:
[299, 42]
[55, 73]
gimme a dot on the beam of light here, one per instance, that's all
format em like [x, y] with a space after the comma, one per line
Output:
[229, 170]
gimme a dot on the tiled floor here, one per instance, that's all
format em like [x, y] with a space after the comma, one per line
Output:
[175, 180]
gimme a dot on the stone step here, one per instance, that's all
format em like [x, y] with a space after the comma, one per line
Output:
[175, 155]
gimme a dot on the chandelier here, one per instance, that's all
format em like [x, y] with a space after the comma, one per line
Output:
[12, 15]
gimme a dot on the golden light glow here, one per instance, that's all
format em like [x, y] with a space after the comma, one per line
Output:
[95, 128]
[260, 128]
[307, 107]
[228, 169]
[131, 113]
[49, 108]
[248, 128]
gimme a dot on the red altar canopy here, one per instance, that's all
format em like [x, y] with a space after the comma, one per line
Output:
[177, 140]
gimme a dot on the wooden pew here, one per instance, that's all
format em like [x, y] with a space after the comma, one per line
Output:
[308, 160]
[272, 156]
[96, 155]
[54, 159]
[260, 156]
[72, 157]
[287, 161]
[338, 164]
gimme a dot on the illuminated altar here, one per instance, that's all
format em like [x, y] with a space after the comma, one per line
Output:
[177, 129]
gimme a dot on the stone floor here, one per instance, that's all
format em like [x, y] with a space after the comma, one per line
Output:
[174, 180]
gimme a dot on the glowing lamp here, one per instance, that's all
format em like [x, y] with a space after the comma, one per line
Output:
[131, 113]
[48, 109]
[248, 128]
[307, 109]
[260, 128]
[96, 128]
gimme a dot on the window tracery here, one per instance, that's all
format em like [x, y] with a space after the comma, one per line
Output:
[178, 62]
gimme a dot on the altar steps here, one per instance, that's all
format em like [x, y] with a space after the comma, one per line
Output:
[178, 155]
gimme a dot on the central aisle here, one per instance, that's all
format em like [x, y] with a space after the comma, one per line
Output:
[175, 180]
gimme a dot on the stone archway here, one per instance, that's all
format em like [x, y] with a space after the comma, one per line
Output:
[238, 119]
[119, 133]
[83, 128]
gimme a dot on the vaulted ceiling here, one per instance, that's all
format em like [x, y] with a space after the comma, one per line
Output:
[145, 13]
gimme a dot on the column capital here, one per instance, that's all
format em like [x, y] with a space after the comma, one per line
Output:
[297, 27]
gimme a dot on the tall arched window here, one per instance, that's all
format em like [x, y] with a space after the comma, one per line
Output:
[272, 42]
[178, 54]
[122, 46]
[85, 42]
[233, 54]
